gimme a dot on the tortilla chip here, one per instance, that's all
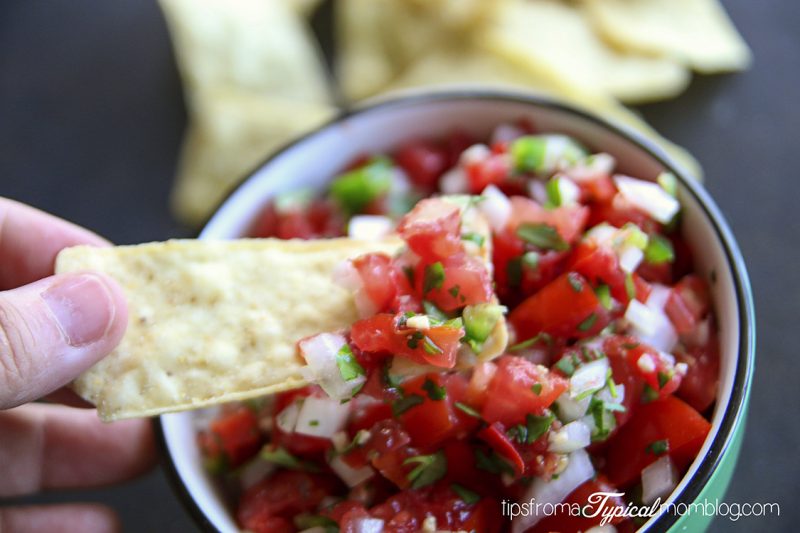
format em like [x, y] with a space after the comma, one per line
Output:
[378, 40]
[548, 34]
[304, 7]
[230, 133]
[695, 32]
[213, 321]
[255, 45]
[447, 69]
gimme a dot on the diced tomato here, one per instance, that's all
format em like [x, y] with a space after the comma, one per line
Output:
[434, 420]
[667, 419]
[657, 372]
[616, 348]
[618, 213]
[423, 161]
[583, 497]
[688, 304]
[235, 435]
[560, 308]
[432, 229]
[569, 221]
[457, 142]
[381, 281]
[699, 385]
[381, 333]
[270, 505]
[600, 265]
[597, 190]
[465, 282]
[492, 170]
[511, 395]
[494, 435]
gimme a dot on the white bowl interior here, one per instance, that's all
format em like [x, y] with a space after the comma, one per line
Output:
[313, 161]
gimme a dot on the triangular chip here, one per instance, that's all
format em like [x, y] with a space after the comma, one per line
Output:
[547, 34]
[255, 45]
[695, 32]
[229, 134]
[213, 321]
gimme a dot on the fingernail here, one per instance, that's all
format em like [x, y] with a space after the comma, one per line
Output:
[82, 306]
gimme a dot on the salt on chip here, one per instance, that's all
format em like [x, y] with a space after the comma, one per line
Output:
[559, 37]
[213, 321]
[229, 134]
[255, 45]
[695, 32]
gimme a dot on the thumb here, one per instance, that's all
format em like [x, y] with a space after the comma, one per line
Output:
[54, 329]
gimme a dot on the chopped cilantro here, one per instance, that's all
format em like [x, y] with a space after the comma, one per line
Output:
[429, 469]
[630, 286]
[465, 494]
[536, 388]
[306, 521]
[603, 293]
[587, 324]
[663, 379]
[530, 342]
[349, 367]
[435, 392]
[514, 272]
[404, 404]
[467, 409]
[281, 457]
[434, 277]
[492, 463]
[313, 423]
[454, 290]
[575, 281]
[659, 447]
[542, 235]
[537, 426]
[475, 238]
[649, 394]
[566, 366]
[414, 338]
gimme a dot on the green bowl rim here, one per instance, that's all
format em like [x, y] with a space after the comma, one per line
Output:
[732, 418]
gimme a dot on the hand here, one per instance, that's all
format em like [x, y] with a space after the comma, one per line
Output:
[52, 328]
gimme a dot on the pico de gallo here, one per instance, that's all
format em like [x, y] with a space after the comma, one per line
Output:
[425, 415]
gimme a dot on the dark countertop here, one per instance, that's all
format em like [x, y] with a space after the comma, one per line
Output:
[91, 118]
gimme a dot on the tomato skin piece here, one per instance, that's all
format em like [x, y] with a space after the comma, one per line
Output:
[558, 309]
[510, 396]
[563, 521]
[423, 161]
[269, 505]
[432, 229]
[668, 418]
[494, 435]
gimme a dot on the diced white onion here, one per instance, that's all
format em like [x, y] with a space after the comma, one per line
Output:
[589, 377]
[578, 470]
[368, 525]
[568, 191]
[321, 417]
[505, 133]
[400, 183]
[649, 197]
[571, 437]
[476, 153]
[418, 322]
[496, 207]
[642, 318]
[254, 471]
[351, 476]
[454, 181]
[659, 294]
[369, 227]
[570, 409]
[320, 353]
[538, 191]
[601, 234]
[593, 167]
[659, 479]
[630, 257]
[287, 419]
[606, 396]
[560, 151]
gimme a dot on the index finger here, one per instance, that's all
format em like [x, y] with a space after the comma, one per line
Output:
[30, 240]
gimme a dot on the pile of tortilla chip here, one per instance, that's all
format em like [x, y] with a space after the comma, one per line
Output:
[254, 78]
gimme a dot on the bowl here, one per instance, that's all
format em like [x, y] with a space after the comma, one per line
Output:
[383, 124]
